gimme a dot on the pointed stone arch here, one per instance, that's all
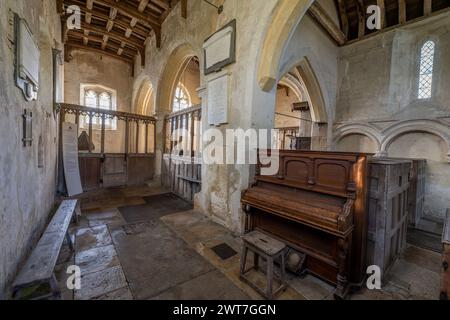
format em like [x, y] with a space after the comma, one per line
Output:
[144, 102]
[285, 18]
[175, 66]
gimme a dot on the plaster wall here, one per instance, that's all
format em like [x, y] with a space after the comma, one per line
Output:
[27, 191]
[250, 106]
[284, 106]
[92, 68]
[378, 81]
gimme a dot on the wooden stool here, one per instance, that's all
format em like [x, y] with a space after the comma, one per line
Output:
[269, 249]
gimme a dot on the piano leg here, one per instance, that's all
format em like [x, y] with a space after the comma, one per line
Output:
[342, 277]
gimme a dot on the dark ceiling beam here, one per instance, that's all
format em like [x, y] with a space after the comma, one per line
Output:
[320, 15]
[132, 12]
[97, 39]
[144, 33]
[112, 35]
[76, 46]
[343, 17]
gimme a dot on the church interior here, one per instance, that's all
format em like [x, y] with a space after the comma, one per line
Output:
[123, 124]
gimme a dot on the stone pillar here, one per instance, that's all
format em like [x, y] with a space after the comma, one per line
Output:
[319, 133]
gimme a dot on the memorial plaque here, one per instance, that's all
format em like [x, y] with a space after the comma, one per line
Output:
[220, 48]
[218, 90]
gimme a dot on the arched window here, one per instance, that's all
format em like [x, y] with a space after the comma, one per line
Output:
[181, 100]
[426, 70]
[100, 97]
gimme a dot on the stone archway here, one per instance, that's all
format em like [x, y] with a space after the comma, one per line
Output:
[285, 18]
[358, 129]
[174, 67]
[144, 101]
[427, 126]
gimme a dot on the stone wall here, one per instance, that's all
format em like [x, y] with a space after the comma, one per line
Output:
[92, 68]
[27, 188]
[378, 80]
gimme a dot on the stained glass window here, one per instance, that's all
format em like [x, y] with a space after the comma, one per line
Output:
[426, 70]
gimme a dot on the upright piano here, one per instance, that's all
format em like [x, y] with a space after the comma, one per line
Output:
[316, 204]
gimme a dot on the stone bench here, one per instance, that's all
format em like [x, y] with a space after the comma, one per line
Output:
[40, 265]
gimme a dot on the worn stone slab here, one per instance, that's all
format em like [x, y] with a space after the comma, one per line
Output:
[154, 259]
[210, 286]
[100, 217]
[88, 238]
[311, 288]
[156, 207]
[100, 283]
[424, 283]
[97, 259]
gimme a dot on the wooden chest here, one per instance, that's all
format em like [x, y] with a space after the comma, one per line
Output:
[388, 214]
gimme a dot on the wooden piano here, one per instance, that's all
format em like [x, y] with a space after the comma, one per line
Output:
[316, 204]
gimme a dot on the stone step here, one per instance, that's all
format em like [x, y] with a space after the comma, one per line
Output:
[431, 225]
[425, 240]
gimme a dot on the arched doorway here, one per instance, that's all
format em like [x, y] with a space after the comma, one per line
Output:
[181, 171]
[300, 115]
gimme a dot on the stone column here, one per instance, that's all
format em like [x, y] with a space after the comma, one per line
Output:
[319, 133]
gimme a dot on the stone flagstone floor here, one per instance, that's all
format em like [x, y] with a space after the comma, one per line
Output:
[168, 256]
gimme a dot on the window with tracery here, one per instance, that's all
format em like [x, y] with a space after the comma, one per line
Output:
[427, 54]
[101, 99]
[181, 99]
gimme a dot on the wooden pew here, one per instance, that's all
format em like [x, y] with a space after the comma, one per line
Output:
[445, 281]
[40, 265]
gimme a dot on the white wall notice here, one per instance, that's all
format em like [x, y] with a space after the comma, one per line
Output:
[70, 159]
[218, 91]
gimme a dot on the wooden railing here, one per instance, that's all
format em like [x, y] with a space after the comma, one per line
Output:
[188, 120]
[285, 135]
[127, 147]
[103, 115]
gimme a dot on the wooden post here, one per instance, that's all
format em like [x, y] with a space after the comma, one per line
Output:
[146, 137]
[185, 138]
[154, 137]
[127, 133]
[401, 11]
[90, 132]
[427, 7]
[77, 118]
[137, 136]
[192, 135]
[103, 133]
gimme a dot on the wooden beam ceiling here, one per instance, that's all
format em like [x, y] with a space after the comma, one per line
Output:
[394, 13]
[119, 28]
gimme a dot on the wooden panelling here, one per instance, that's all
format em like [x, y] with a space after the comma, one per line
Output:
[182, 176]
[140, 169]
[90, 172]
[388, 214]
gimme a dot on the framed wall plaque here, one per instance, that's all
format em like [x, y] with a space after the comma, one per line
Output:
[220, 48]
[27, 58]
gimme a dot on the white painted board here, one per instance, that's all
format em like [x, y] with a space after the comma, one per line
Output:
[218, 100]
[70, 159]
[218, 47]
